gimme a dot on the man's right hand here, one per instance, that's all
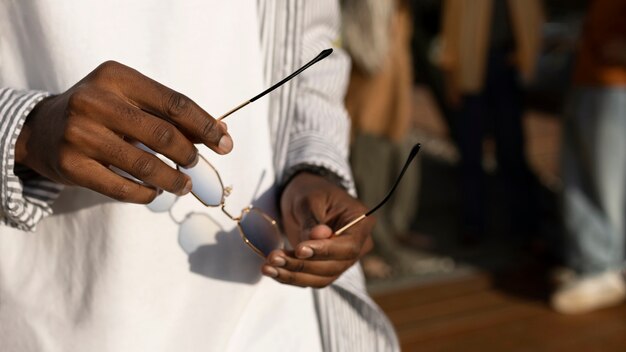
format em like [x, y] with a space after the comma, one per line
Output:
[74, 137]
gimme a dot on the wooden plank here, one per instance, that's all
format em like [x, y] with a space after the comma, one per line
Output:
[432, 293]
[411, 338]
[611, 341]
[472, 303]
[549, 331]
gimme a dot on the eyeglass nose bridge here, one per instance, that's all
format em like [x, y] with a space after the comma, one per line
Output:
[232, 217]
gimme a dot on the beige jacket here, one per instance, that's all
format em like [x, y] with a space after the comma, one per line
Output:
[377, 35]
[466, 33]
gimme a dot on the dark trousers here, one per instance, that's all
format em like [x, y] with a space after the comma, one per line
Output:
[497, 109]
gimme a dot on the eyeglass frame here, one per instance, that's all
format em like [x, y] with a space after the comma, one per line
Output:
[222, 204]
[226, 190]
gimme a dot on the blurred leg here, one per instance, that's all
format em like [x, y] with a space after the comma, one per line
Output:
[470, 136]
[505, 108]
[372, 160]
[594, 176]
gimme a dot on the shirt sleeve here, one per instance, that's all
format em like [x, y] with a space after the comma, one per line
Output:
[350, 320]
[321, 128]
[25, 196]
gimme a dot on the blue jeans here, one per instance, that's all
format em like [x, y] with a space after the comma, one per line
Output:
[594, 176]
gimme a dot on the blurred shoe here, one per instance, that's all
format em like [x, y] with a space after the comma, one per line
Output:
[583, 295]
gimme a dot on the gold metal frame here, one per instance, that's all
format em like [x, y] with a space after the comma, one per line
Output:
[225, 193]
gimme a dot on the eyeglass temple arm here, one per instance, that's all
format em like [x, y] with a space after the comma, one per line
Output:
[412, 155]
[319, 57]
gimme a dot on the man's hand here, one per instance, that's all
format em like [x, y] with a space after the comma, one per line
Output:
[312, 208]
[74, 137]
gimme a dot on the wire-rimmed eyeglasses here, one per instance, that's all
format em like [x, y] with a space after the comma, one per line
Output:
[256, 228]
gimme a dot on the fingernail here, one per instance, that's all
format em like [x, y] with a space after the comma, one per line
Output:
[271, 272]
[187, 188]
[305, 252]
[195, 160]
[226, 144]
[279, 261]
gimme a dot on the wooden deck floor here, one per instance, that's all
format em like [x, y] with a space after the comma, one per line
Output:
[478, 311]
[489, 313]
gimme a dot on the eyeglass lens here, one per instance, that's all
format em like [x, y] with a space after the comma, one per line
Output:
[260, 231]
[207, 185]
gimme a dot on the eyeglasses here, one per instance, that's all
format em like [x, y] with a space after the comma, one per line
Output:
[257, 229]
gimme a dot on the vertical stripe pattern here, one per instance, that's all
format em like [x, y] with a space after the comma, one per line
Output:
[24, 200]
[308, 122]
[309, 125]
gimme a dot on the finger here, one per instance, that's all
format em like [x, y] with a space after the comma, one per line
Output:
[354, 242]
[91, 174]
[142, 165]
[297, 279]
[173, 106]
[319, 268]
[158, 134]
[320, 232]
[336, 248]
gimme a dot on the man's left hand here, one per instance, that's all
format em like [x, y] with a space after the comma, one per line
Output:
[313, 208]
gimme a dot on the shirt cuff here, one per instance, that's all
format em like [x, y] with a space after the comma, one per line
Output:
[315, 151]
[25, 196]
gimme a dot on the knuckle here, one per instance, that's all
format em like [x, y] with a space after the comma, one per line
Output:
[163, 134]
[298, 266]
[323, 252]
[179, 182]
[176, 105]
[77, 101]
[121, 192]
[128, 112]
[288, 279]
[109, 66]
[115, 151]
[144, 166]
[66, 164]
[106, 70]
[73, 132]
[210, 131]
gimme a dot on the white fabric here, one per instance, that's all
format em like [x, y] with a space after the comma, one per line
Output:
[104, 276]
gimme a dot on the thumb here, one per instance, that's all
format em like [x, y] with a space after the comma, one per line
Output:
[320, 232]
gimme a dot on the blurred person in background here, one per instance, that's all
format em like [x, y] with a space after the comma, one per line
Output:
[377, 36]
[594, 166]
[488, 50]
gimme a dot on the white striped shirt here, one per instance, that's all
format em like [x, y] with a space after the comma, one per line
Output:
[308, 125]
